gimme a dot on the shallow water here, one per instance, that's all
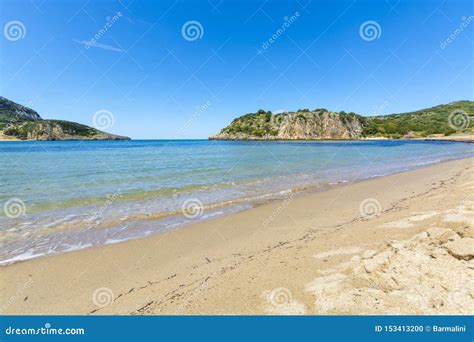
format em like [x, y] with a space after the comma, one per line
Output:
[61, 196]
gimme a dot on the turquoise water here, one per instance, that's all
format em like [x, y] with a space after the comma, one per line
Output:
[61, 196]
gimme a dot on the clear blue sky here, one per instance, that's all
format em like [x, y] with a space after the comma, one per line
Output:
[153, 80]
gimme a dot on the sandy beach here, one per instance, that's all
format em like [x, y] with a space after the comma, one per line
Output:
[399, 244]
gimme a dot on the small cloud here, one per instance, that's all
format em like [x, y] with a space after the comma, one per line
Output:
[98, 45]
[279, 111]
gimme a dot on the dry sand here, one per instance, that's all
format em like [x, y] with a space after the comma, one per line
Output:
[401, 244]
[468, 138]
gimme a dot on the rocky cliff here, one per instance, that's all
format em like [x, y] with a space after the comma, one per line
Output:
[57, 130]
[443, 120]
[14, 111]
[302, 125]
[18, 122]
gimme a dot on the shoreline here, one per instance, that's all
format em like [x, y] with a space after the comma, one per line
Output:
[217, 210]
[455, 138]
[458, 138]
[237, 256]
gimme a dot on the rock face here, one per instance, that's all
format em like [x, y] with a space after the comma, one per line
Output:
[58, 130]
[319, 124]
[17, 111]
[20, 122]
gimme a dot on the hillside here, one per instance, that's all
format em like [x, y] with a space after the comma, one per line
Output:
[10, 110]
[304, 124]
[442, 120]
[18, 122]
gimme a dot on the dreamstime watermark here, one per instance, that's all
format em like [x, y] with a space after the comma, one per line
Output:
[19, 293]
[14, 30]
[47, 329]
[287, 22]
[109, 22]
[103, 119]
[199, 110]
[280, 301]
[379, 109]
[102, 297]
[14, 208]
[192, 30]
[370, 30]
[280, 297]
[110, 198]
[459, 120]
[370, 208]
[95, 219]
[192, 208]
[465, 22]
[278, 210]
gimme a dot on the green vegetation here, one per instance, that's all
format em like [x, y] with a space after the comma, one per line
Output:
[11, 112]
[19, 131]
[74, 128]
[24, 123]
[421, 123]
[44, 128]
[254, 124]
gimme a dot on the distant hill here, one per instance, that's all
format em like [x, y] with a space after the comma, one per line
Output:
[304, 124]
[20, 122]
[10, 110]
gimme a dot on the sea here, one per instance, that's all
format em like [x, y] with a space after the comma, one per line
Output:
[60, 196]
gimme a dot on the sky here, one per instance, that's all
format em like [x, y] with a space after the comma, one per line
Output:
[185, 69]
